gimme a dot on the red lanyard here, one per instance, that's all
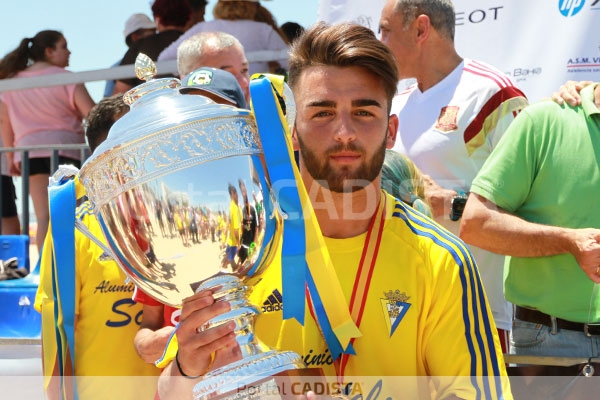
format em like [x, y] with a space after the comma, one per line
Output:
[363, 278]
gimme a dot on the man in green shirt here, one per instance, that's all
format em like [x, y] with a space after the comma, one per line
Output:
[536, 200]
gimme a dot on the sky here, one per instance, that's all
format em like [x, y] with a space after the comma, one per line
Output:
[94, 29]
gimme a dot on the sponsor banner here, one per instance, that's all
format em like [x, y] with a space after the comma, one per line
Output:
[540, 44]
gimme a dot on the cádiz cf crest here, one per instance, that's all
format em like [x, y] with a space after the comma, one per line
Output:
[395, 305]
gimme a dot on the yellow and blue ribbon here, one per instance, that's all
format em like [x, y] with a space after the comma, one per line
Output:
[305, 259]
[62, 204]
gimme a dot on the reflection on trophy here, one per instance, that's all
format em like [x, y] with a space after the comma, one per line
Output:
[166, 184]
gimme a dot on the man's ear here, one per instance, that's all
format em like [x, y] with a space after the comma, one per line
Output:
[295, 144]
[423, 25]
[392, 131]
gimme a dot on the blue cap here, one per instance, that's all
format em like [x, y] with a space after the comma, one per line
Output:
[216, 81]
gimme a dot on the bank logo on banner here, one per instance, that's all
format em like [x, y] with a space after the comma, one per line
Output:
[569, 8]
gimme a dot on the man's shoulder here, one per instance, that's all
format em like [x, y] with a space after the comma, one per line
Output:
[478, 75]
[403, 91]
[416, 230]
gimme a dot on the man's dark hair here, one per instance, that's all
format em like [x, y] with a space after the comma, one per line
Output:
[197, 4]
[343, 45]
[172, 12]
[292, 30]
[102, 117]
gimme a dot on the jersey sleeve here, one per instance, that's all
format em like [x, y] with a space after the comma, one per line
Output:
[507, 175]
[461, 345]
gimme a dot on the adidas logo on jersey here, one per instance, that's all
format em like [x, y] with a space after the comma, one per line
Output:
[273, 303]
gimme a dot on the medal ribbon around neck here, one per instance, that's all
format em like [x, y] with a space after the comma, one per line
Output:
[362, 283]
[305, 259]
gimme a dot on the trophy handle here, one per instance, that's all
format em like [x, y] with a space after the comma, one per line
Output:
[84, 229]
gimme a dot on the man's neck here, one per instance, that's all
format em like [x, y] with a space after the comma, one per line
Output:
[597, 96]
[438, 63]
[345, 215]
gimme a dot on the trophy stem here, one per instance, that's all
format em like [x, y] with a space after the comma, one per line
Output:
[255, 364]
[227, 287]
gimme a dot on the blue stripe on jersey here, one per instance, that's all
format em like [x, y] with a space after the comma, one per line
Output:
[445, 239]
[84, 209]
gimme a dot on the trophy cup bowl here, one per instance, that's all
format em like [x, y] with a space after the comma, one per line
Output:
[163, 186]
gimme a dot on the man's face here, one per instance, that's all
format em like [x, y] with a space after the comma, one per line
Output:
[398, 39]
[231, 59]
[342, 127]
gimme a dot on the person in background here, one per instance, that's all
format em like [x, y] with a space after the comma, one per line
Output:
[264, 15]
[171, 17]
[450, 120]
[218, 50]
[544, 217]
[41, 116]
[442, 324]
[10, 217]
[401, 178]
[238, 19]
[569, 92]
[198, 12]
[292, 31]
[106, 318]
[137, 26]
[217, 84]
[249, 226]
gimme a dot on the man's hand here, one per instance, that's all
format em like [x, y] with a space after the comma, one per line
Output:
[586, 250]
[569, 92]
[439, 199]
[201, 350]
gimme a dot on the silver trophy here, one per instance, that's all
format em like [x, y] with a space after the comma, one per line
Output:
[164, 186]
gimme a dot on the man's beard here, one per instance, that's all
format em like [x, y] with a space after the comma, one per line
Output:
[343, 179]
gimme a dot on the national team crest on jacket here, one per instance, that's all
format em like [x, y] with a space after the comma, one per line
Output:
[446, 122]
[395, 305]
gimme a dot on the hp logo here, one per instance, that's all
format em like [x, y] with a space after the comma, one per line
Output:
[568, 8]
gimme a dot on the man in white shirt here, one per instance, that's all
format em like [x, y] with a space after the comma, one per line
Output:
[450, 119]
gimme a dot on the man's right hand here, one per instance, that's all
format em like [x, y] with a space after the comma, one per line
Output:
[201, 350]
[586, 250]
[569, 92]
[439, 199]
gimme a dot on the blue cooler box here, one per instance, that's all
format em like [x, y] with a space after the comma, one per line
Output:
[18, 318]
[15, 246]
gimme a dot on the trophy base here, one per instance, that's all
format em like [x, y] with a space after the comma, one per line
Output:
[285, 385]
[272, 375]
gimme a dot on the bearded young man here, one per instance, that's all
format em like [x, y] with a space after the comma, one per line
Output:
[424, 312]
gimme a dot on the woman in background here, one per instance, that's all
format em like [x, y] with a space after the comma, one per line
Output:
[42, 116]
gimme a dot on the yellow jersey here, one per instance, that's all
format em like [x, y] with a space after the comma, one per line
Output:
[107, 319]
[425, 315]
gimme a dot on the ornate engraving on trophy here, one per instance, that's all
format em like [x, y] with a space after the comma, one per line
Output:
[168, 150]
